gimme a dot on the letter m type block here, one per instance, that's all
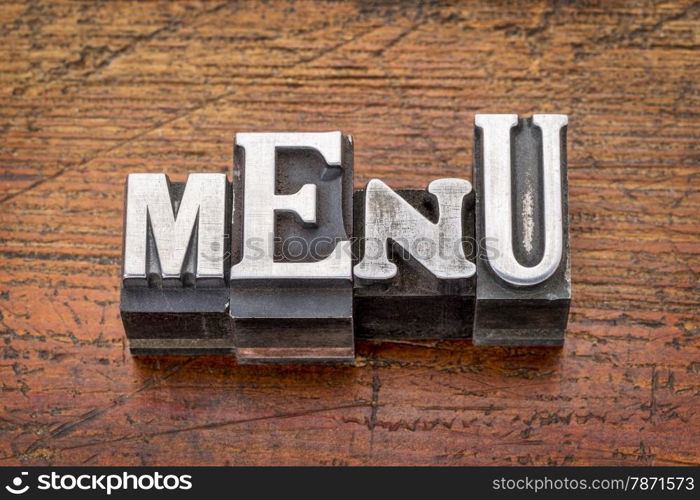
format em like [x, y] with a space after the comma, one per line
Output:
[174, 292]
[523, 271]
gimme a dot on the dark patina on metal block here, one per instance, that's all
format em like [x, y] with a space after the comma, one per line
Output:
[176, 322]
[415, 304]
[528, 305]
[294, 314]
[179, 316]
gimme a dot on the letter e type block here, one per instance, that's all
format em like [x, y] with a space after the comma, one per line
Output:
[291, 278]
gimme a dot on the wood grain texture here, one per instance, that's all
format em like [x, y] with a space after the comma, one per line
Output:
[90, 92]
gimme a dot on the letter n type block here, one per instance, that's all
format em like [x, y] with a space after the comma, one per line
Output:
[523, 269]
[414, 278]
[291, 279]
[174, 294]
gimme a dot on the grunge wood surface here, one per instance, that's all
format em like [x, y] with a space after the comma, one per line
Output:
[90, 92]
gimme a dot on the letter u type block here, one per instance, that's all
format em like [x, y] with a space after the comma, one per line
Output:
[291, 278]
[174, 292]
[523, 287]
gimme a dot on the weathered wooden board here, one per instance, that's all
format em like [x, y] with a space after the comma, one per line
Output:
[89, 92]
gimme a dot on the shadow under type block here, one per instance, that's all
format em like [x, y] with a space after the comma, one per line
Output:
[291, 279]
[174, 293]
[523, 288]
[415, 303]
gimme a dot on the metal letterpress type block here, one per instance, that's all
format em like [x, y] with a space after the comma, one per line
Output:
[174, 292]
[291, 278]
[524, 282]
[413, 277]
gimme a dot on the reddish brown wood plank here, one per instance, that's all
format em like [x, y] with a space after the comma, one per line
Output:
[91, 92]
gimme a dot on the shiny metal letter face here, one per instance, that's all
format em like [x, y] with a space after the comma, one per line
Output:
[174, 293]
[291, 278]
[149, 207]
[522, 228]
[260, 205]
[437, 246]
[497, 196]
